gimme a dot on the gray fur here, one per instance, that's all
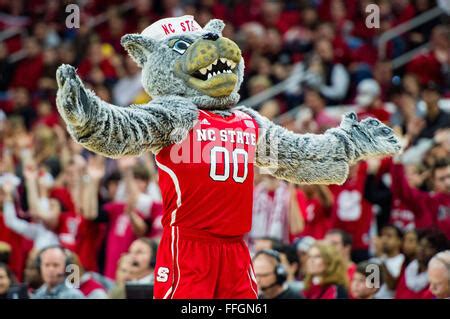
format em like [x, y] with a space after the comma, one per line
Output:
[323, 158]
[117, 131]
[214, 26]
[158, 78]
[138, 47]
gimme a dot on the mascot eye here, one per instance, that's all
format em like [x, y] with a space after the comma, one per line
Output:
[181, 46]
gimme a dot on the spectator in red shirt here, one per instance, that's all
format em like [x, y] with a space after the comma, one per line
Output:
[326, 276]
[351, 212]
[403, 11]
[392, 209]
[430, 208]
[125, 222]
[315, 202]
[97, 61]
[413, 281]
[433, 65]
[369, 99]
[14, 244]
[30, 69]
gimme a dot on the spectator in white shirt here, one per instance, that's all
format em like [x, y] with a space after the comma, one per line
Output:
[37, 230]
[392, 259]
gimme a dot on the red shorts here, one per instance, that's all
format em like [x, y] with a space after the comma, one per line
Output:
[193, 264]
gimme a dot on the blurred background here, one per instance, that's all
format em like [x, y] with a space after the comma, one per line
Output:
[307, 62]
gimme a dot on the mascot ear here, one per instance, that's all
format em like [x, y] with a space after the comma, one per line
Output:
[214, 26]
[138, 47]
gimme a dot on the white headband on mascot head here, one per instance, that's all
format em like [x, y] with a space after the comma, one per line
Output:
[169, 27]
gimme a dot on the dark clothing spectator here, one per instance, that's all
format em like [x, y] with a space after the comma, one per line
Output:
[441, 121]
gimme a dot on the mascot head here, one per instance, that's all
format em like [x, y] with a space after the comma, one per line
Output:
[178, 57]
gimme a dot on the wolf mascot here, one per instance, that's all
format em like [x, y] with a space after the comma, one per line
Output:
[205, 147]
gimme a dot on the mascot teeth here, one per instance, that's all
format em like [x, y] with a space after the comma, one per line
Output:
[218, 67]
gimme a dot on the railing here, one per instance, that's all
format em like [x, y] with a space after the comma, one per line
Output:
[9, 33]
[405, 27]
[408, 56]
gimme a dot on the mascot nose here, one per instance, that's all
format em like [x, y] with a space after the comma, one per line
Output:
[210, 36]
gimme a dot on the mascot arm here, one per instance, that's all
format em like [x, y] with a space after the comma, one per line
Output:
[115, 131]
[320, 158]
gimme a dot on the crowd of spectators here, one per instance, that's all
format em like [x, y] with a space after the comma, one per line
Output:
[388, 224]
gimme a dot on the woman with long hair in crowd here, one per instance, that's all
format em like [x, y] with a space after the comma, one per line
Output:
[326, 274]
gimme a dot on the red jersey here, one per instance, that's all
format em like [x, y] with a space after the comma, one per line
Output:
[20, 246]
[315, 215]
[427, 68]
[67, 229]
[91, 288]
[351, 212]
[402, 290]
[401, 216]
[119, 237]
[156, 213]
[89, 239]
[206, 180]
[326, 292]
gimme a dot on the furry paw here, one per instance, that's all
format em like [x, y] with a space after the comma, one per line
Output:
[370, 137]
[71, 98]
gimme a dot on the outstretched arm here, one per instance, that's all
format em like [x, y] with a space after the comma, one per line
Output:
[320, 158]
[115, 131]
